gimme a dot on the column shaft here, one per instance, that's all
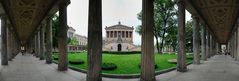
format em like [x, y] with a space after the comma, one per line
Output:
[95, 40]
[49, 41]
[207, 44]
[4, 56]
[237, 56]
[181, 58]
[42, 43]
[62, 37]
[235, 51]
[203, 36]
[9, 43]
[196, 34]
[147, 56]
[210, 46]
[38, 44]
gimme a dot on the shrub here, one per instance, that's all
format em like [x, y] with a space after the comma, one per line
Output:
[190, 58]
[76, 61]
[155, 66]
[122, 52]
[109, 66]
[55, 58]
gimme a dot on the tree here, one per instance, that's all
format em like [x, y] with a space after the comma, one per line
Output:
[73, 41]
[171, 36]
[55, 22]
[189, 33]
[164, 16]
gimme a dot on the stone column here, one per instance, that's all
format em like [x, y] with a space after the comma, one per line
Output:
[48, 41]
[4, 56]
[220, 48]
[94, 41]
[147, 56]
[113, 34]
[237, 57]
[13, 46]
[233, 45]
[33, 45]
[207, 44]
[62, 36]
[9, 50]
[213, 48]
[38, 44]
[41, 55]
[196, 44]
[235, 53]
[210, 47]
[181, 56]
[203, 40]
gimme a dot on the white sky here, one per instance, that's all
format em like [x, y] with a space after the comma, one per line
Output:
[112, 12]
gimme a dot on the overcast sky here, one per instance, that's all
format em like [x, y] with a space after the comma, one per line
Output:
[113, 11]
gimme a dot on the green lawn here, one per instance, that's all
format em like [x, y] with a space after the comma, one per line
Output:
[126, 64]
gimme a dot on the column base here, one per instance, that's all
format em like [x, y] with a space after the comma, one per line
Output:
[48, 62]
[182, 70]
[62, 68]
[41, 58]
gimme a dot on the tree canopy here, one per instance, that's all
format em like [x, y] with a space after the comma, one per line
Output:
[165, 22]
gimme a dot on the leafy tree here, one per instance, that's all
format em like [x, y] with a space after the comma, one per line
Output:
[189, 33]
[164, 16]
[73, 41]
[171, 36]
[55, 22]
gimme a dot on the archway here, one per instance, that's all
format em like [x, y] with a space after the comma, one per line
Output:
[119, 47]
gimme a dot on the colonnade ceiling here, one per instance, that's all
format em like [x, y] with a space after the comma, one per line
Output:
[220, 16]
[26, 15]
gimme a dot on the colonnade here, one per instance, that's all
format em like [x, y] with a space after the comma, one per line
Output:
[209, 43]
[233, 43]
[9, 41]
[115, 34]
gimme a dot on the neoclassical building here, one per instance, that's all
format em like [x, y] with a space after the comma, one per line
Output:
[119, 38]
[82, 40]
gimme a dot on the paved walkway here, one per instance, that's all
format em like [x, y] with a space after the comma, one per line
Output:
[29, 68]
[218, 68]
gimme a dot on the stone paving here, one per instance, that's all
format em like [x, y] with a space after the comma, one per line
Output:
[218, 68]
[29, 68]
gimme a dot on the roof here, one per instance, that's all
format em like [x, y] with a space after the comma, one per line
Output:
[71, 28]
[77, 35]
[119, 26]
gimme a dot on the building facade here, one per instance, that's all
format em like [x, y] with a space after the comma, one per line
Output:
[119, 38]
[81, 40]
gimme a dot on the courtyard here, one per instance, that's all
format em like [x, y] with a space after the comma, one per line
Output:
[126, 63]
[29, 68]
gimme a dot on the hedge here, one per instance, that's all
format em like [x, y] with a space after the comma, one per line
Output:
[122, 52]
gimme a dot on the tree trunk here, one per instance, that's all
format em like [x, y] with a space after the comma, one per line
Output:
[157, 44]
[161, 45]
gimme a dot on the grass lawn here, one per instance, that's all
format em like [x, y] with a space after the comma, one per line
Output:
[126, 64]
